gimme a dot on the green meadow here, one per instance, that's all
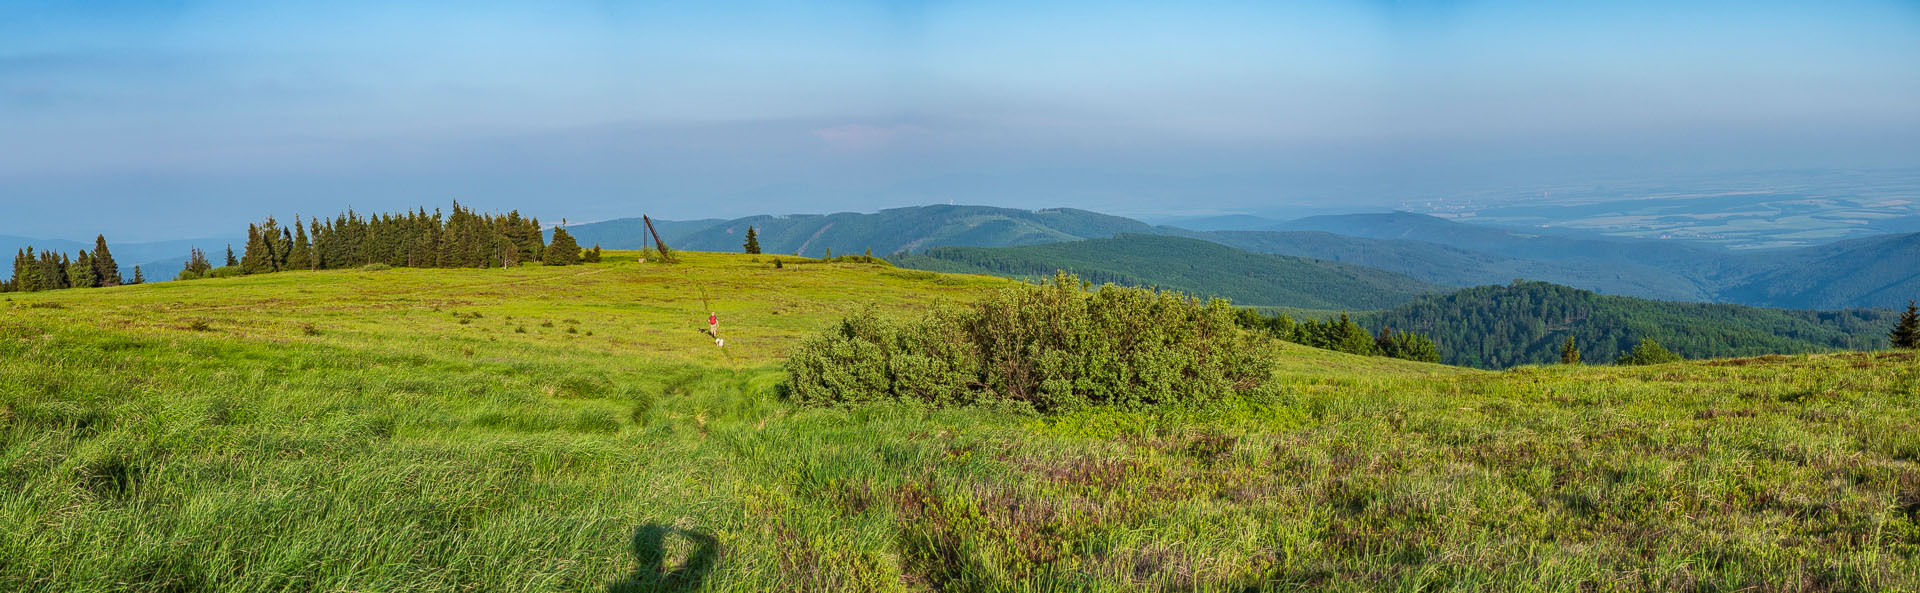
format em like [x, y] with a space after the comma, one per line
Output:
[574, 429]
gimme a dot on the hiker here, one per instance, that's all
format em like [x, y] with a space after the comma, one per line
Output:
[713, 325]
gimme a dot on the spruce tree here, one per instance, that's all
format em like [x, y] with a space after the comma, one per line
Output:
[301, 255]
[138, 278]
[753, 241]
[1415, 347]
[259, 257]
[563, 250]
[1350, 338]
[231, 261]
[1906, 333]
[1570, 352]
[80, 272]
[592, 256]
[1386, 344]
[197, 264]
[26, 271]
[104, 267]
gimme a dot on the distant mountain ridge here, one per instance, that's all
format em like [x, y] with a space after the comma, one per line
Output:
[885, 232]
[1192, 266]
[158, 260]
[1865, 272]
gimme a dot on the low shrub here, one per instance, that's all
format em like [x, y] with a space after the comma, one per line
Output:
[375, 267]
[226, 272]
[1648, 351]
[1054, 347]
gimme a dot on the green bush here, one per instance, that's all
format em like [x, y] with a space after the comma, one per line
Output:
[1054, 347]
[226, 272]
[375, 267]
[1649, 351]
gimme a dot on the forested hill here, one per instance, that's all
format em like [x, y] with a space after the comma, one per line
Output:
[1191, 266]
[1882, 271]
[1526, 323]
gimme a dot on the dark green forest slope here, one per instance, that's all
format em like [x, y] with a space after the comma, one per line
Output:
[1525, 323]
[1188, 265]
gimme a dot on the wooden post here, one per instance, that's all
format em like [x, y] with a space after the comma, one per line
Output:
[656, 239]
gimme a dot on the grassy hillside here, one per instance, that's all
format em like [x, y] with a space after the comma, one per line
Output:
[396, 430]
[1526, 323]
[1191, 266]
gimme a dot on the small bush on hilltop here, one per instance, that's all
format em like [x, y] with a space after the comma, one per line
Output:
[1648, 351]
[1054, 347]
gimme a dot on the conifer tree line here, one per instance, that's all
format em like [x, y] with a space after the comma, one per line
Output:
[414, 239]
[1343, 336]
[52, 270]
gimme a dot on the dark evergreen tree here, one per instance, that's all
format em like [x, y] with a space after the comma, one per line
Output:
[1906, 333]
[1415, 347]
[53, 271]
[753, 241]
[1384, 343]
[26, 271]
[257, 259]
[1570, 352]
[197, 264]
[231, 261]
[104, 267]
[138, 278]
[562, 250]
[80, 273]
[592, 256]
[1347, 336]
[300, 256]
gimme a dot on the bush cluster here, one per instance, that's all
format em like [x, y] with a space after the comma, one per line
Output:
[1054, 347]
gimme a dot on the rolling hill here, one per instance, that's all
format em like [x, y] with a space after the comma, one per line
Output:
[1191, 266]
[1525, 323]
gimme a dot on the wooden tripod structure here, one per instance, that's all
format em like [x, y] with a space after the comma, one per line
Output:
[665, 255]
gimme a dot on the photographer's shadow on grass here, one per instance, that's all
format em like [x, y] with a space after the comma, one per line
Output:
[654, 574]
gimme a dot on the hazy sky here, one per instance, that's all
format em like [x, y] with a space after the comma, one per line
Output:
[175, 119]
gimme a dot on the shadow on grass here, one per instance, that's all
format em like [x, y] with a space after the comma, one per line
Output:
[653, 574]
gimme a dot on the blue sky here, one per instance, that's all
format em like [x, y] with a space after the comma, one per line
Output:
[189, 118]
